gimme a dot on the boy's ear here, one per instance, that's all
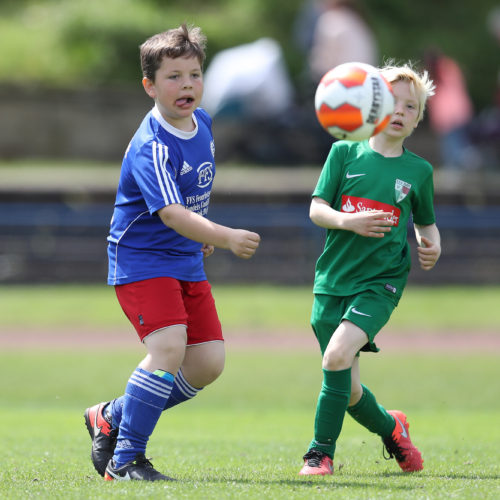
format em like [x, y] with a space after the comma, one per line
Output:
[149, 87]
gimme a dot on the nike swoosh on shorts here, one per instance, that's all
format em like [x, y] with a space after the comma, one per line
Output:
[355, 311]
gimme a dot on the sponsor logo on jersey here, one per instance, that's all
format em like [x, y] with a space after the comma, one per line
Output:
[402, 189]
[205, 174]
[212, 148]
[353, 204]
[186, 167]
[351, 176]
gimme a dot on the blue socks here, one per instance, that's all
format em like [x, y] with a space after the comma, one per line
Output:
[182, 391]
[135, 400]
[145, 398]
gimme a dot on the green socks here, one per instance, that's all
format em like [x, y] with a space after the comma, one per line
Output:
[332, 404]
[371, 415]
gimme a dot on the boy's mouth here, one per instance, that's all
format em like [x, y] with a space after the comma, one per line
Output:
[184, 102]
[397, 123]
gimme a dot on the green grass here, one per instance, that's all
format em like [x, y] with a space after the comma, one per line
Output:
[244, 307]
[244, 436]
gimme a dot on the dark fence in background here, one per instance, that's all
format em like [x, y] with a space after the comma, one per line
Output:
[49, 239]
[60, 236]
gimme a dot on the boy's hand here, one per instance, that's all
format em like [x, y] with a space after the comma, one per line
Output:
[428, 253]
[243, 243]
[370, 224]
[207, 250]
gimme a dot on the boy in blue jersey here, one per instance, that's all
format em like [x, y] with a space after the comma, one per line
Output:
[158, 238]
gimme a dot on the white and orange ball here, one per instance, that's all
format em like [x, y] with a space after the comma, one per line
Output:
[354, 101]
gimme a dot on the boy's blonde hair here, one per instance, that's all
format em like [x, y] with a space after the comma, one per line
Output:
[184, 41]
[421, 84]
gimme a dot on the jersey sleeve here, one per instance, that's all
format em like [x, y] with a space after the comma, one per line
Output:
[155, 175]
[423, 205]
[331, 175]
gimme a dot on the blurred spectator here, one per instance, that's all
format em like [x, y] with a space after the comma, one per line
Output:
[329, 33]
[493, 22]
[250, 80]
[341, 34]
[450, 112]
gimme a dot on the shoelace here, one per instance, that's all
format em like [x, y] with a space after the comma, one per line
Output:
[140, 459]
[313, 458]
[394, 450]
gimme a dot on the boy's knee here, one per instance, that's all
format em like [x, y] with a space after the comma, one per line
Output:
[213, 373]
[204, 374]
[335, 360]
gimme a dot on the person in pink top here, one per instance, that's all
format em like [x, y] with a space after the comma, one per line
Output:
[450, 112]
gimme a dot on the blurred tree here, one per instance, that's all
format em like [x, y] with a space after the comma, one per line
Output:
[94, 42]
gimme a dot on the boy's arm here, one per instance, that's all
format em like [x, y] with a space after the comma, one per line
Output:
[195, 227]
[429, 248]
[370, 224]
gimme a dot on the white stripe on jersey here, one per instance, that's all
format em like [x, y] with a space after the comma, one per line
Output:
[167, 186]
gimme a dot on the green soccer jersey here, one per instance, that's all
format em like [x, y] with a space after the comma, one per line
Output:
[355, 178]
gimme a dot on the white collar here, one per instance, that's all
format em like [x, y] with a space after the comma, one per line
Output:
[182, 134]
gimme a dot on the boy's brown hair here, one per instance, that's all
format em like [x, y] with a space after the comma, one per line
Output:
[184, 41]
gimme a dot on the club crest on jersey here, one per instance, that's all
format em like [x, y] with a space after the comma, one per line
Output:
[402, 189]
[205, 174]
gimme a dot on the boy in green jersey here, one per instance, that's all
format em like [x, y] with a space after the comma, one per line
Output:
[365, 196]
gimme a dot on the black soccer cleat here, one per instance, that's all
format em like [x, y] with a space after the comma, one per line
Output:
[103, 437]
[140, 469]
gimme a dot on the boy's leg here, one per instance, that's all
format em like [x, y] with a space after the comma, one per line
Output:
[334, 396]
[364, 408]
[391, 425]
[330, 410]
[182, 389]
[146, 395]
[205, 353]
[203, 363]
[372, 415]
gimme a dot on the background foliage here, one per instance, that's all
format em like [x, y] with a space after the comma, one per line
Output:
[74, 43]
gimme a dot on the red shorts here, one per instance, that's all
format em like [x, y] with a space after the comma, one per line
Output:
[157, 303]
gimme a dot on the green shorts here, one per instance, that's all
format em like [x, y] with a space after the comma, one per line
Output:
[368, 310]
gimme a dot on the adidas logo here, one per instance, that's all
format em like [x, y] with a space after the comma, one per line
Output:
[186, 167]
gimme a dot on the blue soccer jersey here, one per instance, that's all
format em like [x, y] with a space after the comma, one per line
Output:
[162, 166]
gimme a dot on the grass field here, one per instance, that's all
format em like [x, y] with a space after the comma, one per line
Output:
[244, 436]
[255, 307]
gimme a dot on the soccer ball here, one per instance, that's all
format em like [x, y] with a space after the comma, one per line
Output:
[354, 101]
